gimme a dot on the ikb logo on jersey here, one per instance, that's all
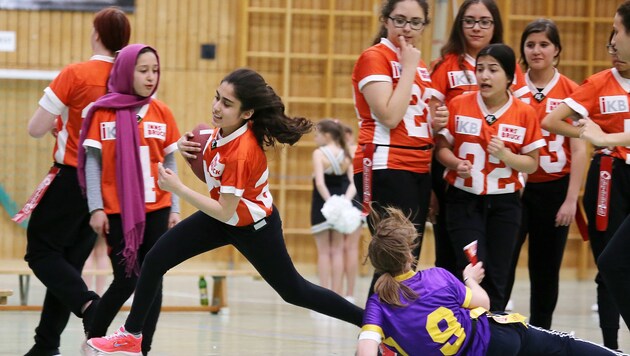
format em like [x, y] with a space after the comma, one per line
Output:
[108, 130]
[396, 69]
[511, 133]
[467, 125]
[155, 130]
[461, 78]
[613, 104]
[151, 130]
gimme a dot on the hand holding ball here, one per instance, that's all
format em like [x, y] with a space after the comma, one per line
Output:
[191, 146]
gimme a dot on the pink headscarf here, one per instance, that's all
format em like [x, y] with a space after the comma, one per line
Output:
[129, 179]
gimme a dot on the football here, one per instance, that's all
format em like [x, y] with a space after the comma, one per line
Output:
[201, 134]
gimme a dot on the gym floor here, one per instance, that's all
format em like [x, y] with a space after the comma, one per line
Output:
[259, 322]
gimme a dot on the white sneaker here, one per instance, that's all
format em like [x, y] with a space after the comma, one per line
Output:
[595, 307]
[86, 350]
[509, 306]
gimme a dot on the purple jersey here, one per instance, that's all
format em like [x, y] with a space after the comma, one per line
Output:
[437, 323]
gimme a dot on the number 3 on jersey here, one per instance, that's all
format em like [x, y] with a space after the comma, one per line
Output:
[415, 112]
[478, 160]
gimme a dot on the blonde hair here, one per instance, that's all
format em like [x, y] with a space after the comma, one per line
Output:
[390, 253]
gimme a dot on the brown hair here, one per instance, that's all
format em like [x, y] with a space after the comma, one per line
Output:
[113, 28]
[550, 30]
[336, 130]
[270, 124]
[456, 43]
[390, 253]
[386, 10]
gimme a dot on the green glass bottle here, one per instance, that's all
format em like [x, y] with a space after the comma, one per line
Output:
[203, 291]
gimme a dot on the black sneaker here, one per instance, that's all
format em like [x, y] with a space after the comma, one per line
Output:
[37, 351]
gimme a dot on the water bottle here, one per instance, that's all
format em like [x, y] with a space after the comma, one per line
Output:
[203, 291]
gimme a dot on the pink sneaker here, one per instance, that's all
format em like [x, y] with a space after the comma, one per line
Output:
[119, 343]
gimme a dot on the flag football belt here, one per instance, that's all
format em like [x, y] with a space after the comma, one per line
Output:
[603, 193]
[368, 157]
[37, 195]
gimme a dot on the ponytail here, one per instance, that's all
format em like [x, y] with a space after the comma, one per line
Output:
[389, 290]
[390, 253]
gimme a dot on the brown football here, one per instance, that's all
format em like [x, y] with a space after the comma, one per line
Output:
[201, 134]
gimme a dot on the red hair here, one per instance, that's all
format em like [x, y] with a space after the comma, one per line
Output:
[113, 28]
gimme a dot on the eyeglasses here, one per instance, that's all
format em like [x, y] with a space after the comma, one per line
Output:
[611, 49]
[400, 22]
[470, 22]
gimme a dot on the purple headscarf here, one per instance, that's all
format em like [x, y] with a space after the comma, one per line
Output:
[129, 180]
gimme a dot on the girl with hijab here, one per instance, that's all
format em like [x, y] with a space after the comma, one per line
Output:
[126, 134]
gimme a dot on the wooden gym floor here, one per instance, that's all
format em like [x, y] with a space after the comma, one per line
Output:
[259, 322]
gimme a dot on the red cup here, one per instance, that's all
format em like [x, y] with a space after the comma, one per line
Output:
[471, 252]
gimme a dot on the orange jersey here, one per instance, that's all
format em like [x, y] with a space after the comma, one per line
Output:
[449, 80]
[379, 63]
[77, 86]
[158, 135]
[469, 134]
[235, 164]
[604, 98]
[555, 157]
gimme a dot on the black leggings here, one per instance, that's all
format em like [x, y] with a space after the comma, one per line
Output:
[618, 210]
[59, 240]
[541, 202]
[408, 191]
[493, 220]
[264, 248]
[123, 286]
[614, 268]
[516, 339]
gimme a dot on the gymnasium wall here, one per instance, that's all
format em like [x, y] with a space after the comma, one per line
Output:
[304, 48]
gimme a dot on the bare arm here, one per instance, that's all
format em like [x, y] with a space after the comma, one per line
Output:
[566, 213]
[591, 132]
[446, 156]
[352, 190]
[555, 121]
[389, 104]
[439, 114]
[222, 209]
[367, 347]
[41, 123]
[473, 275]
[318, 174]
[526, 163]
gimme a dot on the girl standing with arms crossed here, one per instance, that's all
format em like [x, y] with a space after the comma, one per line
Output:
[126, 134]
[489, 139]
[332, 175]
[391, 89]
[604, 98]
[431, 312]
[248, 115]
[551, 194]
[59, 237]
[476, 25]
